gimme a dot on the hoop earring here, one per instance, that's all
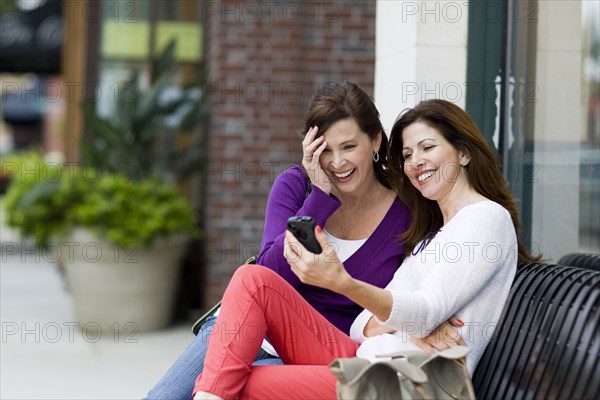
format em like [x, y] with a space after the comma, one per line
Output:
[375, 156]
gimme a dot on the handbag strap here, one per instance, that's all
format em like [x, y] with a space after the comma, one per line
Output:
[420, 358]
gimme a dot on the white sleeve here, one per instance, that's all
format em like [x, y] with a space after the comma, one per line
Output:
[474, 248]
[358, 326]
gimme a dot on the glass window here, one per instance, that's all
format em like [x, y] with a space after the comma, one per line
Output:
[131, 31]
[553, 135]
[589, 169]
[544, 60]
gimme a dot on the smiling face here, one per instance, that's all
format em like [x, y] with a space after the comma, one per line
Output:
[348, 157]
[432, 164]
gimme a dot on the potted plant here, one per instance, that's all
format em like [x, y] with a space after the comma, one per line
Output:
[119, 220]
[119, 240]
[12, 166]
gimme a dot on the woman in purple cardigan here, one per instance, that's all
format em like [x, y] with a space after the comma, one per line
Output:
[343, 184]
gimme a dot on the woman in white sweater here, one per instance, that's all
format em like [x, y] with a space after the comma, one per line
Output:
[462, 253]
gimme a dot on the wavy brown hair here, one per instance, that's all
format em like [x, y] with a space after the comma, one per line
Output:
[342, 100]
[483, 171]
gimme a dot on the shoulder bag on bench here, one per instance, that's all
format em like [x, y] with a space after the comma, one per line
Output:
[408, 375]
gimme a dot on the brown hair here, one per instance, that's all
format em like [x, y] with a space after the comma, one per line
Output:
[342, 100]
[483, 172]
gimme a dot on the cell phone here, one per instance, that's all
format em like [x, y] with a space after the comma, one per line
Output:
[303, 229]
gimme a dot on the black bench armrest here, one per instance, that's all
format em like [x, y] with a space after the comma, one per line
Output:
[547, 343]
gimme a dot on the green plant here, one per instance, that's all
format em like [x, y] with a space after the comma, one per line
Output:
[127, 212]
[148, 132]
[113, 207]
[15, 163]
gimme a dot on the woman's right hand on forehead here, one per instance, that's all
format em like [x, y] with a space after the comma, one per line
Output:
[312, 149]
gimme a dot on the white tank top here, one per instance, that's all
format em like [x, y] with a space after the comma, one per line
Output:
[344, 248]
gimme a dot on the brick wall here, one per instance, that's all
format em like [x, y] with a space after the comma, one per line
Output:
[264, 61]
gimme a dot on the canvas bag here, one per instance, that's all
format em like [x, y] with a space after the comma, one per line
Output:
[408, 375]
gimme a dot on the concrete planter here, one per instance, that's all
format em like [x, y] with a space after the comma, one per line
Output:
[122, 290]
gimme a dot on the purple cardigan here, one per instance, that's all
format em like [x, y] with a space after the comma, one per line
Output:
[374, 262]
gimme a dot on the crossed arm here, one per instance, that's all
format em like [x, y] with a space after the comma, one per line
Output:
[331, 274]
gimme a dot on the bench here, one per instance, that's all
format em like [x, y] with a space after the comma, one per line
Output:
[581, 260]
[547, 343]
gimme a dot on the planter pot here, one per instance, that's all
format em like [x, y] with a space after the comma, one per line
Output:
[116, 289]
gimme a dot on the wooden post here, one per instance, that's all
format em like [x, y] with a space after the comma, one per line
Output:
[73, 66]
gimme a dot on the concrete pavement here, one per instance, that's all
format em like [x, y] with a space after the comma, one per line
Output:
[44, 354]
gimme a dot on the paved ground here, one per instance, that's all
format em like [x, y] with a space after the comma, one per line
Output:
[44, 355]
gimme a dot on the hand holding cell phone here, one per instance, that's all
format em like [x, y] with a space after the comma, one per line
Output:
[318, 266]
[303, 228]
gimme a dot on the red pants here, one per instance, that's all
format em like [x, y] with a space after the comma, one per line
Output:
[259, 303]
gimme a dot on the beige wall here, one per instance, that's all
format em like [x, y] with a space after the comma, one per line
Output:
[420, 53]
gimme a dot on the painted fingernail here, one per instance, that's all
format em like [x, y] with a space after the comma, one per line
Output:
[459, 321]
[319, 229]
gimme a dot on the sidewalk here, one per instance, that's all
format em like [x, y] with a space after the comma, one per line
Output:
[44, 354]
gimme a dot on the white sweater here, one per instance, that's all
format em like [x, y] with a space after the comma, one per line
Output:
[466, 270]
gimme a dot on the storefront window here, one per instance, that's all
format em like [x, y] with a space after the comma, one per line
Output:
[132, 32]
[589, 189]
[543, 58]
[553, 139]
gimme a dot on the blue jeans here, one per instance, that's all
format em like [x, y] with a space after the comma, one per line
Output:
[178, 382]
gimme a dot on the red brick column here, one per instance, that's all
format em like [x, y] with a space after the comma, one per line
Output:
[265, 59]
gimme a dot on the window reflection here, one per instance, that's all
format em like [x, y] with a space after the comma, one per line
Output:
[589, 183]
